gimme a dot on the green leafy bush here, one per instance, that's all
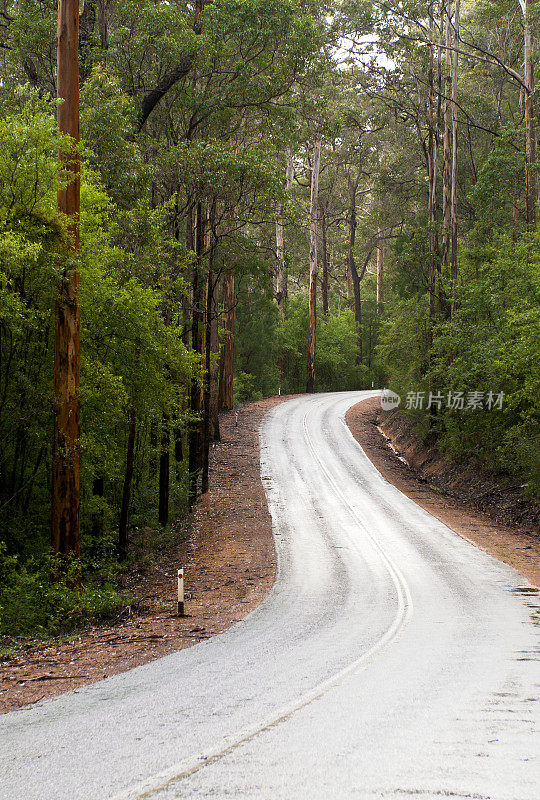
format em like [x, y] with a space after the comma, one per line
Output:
[32, 604]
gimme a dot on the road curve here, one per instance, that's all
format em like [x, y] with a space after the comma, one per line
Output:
[392, 659]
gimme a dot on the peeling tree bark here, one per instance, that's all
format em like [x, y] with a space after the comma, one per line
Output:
[66, 435]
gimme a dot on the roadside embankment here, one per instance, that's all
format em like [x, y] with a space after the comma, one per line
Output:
[493, 516]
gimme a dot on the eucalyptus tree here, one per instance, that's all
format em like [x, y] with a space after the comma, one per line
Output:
[65, 506]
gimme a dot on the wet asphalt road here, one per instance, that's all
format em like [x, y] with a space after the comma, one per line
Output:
[392, 659]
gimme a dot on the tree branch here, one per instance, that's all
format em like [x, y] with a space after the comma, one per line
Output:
[153, 97]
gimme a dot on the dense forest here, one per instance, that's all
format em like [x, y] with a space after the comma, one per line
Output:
[275, 195]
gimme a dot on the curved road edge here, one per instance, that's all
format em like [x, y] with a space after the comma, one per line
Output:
[519, 550]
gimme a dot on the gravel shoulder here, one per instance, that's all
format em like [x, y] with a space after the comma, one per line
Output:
[229, 562]
[516, 544]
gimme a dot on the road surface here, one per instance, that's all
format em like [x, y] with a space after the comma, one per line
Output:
[392, 659]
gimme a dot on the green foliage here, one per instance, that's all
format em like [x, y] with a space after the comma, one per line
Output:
[256, 346]
[336, 350]
[244, 388]
[32, 604]
[491, 345]
[403, 345]
[108, 121]
[129, 356]
[494, 192]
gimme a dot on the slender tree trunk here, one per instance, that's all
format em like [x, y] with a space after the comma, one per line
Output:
[206, 411]
[165, 452]
[312, 336]
[215, 435]
[348, 280]
[196, 344]
[530, 123]
[164, 471]
[515, 209]
[352, 271]
[208, 361]
[102, 25]
[178, 436]
[432, 169]
[282, 277]
[447, 146]
[126, 493]
[226, 366]
[455, 63]
[97, 516]
[357, 313]
[65, 517]
[380, 274]
[281, 267]
[324, 243]
[153, 458]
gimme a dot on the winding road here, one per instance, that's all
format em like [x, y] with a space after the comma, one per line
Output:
[392, 659]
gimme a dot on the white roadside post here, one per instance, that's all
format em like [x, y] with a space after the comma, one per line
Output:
[181, 592]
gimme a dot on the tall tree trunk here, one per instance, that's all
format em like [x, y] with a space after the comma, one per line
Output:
[164, 471]
[357, 313]
[324, 243]
[207, 381]
[215, 435]
[380, 273]
[455, 57]
[153, 457]
[165, 452]
[65, 516]
[102, 25]
[226, 365]
[178, 432]
[351, 264]
[196, 345]
[447, 147]
[312, 335]
[348, 280]
[281, 278]
[126, 493]
[432, 168]
[530, 123]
